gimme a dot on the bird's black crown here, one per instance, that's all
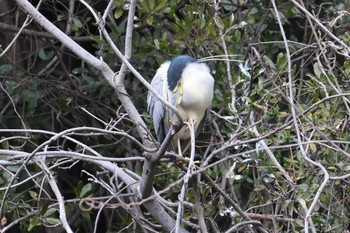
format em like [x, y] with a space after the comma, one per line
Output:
[177, 65]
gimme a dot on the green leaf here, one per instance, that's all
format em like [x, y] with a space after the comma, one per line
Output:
[49, 212]
[291, 161]
[317, 70]
[52, 221]
[45, 55]
[282, 114]
[118, 13]
[228, 6]
[42, 54]
[61, 17]
[302, 203]
[238, 35]
[77, 22]
[31, 97]
[88, 83]
[346, 168]
[10, 87]
[33, 223]
[261, 82]
[144, 6]
[86, 190]
[80, 70]
[269, 62]
[149, 20]
[254, 10]
[160, 5]
[33, 194]
[313, 147]
[151, 4]
[202, 22]
[5, 143]
[44, 207]
[78, 188]
[5, 68]
[281, 61]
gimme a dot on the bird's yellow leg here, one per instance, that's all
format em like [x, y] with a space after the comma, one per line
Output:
[190, 123]
[179, 146]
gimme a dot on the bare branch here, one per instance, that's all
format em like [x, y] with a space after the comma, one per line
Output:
[59, 197]
[270, 154]
[344, 46]
[186, 177]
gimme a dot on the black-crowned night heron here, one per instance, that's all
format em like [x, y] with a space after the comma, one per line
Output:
[187, 84]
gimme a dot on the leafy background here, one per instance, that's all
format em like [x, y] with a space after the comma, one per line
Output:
[44, 86]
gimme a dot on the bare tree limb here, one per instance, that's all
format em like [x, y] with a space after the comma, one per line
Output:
[59, 197]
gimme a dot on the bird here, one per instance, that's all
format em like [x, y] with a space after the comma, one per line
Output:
[187, 84]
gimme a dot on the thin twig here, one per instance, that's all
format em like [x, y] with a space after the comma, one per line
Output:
[198, 205]
[59, 197]
[187, 177]
[237, 226]
[307, 219]
[270, 154]
[38, 34]
[325, 29]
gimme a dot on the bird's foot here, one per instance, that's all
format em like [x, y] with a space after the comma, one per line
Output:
[190, 121]
[186, 160]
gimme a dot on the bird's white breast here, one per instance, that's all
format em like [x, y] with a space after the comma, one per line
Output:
[195, 92]
[197, 85]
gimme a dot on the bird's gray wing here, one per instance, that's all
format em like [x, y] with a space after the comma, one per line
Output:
[155, 107]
